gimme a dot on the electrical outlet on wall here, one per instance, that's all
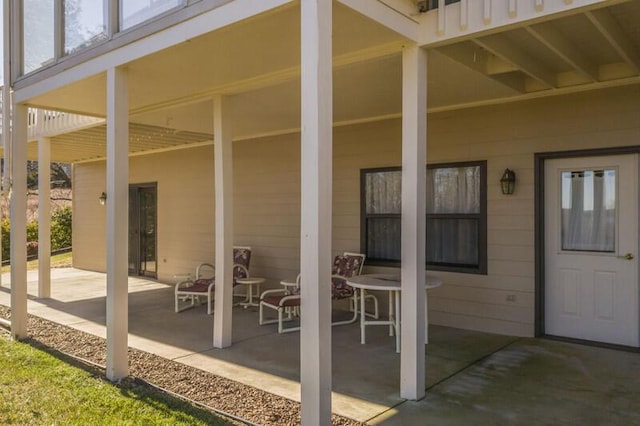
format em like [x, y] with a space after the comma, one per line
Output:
[511, 297]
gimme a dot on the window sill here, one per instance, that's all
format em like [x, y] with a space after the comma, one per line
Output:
[458, 269]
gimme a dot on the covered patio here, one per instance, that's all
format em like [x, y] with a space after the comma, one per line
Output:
[256, 122]
[471, 376]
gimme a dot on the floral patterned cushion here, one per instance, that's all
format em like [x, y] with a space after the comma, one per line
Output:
[346, 266]
[242, 256]
[340, 289]
[239, 273]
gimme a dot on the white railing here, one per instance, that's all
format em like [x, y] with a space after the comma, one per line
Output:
[51, 123]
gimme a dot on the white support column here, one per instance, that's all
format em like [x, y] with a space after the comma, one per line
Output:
[18, 214]
[315, 237]
[222, 318]
[414, 157]
[44, 216]
[117, 223]
[6, 148]
[6, 101]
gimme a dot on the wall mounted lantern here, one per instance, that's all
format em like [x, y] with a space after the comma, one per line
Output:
[102, 198]
[508, 182]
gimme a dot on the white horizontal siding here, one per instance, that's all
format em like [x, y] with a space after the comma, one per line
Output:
[267, 196]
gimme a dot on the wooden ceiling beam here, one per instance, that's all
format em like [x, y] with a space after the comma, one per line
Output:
[615, 35]
[500, 46]
[476, 59]
[565, 49]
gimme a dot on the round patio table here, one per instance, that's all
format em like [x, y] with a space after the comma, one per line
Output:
[392, 284]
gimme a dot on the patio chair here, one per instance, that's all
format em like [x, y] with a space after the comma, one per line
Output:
[204, 283]
[346, 266]
[285, 300]
[288, 301]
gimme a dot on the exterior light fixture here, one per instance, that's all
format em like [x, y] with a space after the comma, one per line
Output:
[508, 182]
[102, 198]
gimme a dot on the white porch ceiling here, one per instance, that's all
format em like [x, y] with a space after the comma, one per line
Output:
[90, 144]
[257, 63]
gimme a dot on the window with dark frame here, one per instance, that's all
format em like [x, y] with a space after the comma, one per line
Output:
[456, 216]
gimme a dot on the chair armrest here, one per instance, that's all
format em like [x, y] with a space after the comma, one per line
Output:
[290, 297]
[274, 291]
[185, 283]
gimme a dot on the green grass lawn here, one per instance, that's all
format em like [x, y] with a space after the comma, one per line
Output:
[57, 261]
[38, 388]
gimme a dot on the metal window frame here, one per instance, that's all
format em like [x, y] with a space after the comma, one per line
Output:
[112, 30]
[481, 217]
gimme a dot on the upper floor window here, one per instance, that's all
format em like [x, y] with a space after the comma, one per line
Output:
[54, 28]
[38, 34]
[84, 23]
[133, 12]
[456, 216]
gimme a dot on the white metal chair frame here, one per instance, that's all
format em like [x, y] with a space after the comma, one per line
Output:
[290, 302]
[184, 289]
[281, 307]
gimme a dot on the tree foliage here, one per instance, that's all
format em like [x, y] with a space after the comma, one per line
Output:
[60, 175]
[61, 237]
[61, 224]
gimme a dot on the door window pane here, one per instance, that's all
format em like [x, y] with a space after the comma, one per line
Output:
[38, 34]
[133, 12]
[589, 210]
[84, 23]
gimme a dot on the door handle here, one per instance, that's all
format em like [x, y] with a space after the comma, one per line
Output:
[628, 256]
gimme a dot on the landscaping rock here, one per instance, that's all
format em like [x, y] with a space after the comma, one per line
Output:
[246, 402]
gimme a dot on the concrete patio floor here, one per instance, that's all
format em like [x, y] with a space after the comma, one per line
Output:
[472, 378]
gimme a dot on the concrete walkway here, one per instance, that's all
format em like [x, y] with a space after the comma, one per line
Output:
[472, 378]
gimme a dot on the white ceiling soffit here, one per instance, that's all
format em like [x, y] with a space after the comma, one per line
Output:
[253, 62]
[90, 144]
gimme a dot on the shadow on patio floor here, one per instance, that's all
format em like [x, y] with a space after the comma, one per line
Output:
[472, 377]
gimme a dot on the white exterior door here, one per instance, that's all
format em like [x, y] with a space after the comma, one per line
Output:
[591, 249]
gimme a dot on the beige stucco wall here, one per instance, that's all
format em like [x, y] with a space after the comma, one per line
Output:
[267, 196]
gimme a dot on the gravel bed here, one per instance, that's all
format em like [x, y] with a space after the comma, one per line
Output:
[252, 404]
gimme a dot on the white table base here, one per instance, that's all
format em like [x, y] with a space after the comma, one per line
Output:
[393, 321]
[250, 283]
